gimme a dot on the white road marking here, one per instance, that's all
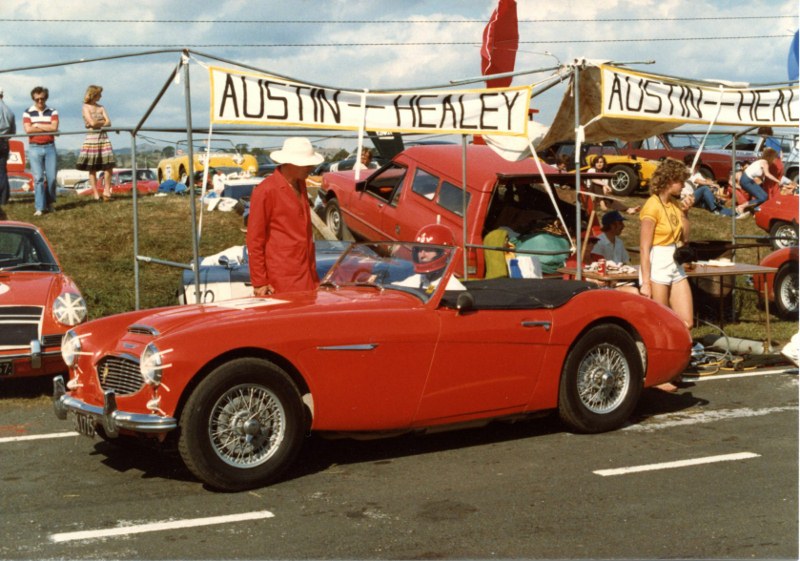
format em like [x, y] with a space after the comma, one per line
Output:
[159, 526]
[672, 420]
[37, 436]
[678, 464]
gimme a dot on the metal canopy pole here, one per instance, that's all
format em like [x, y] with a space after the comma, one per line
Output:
[135, 224]
[464, 201]
[578, 142]
[190, 179]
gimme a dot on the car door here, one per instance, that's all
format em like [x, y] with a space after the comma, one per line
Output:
[487, 363]
[366, 208]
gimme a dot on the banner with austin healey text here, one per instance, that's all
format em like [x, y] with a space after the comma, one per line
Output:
[247, 98]
[638, 95]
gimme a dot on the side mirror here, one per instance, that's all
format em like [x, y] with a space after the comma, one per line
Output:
[224, 261]
[465, 302]
[361, 186]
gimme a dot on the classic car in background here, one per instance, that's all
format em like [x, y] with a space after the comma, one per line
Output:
[716, 163]
[781, 285]
[222, 154]
[779, 216]
[423, 185]
[20, 181]
[122, 182]
[631, 173]
[388, 343]
[38, 303]
[226, 275]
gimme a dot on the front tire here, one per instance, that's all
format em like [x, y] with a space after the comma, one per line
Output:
[625, 182]
[242, 425]
[785, 290]
[601, 380]
[783, 235]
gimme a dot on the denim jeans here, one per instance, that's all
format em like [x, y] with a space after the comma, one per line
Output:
[704, 198]
[753, 189]
[42, 158]
[5, 189]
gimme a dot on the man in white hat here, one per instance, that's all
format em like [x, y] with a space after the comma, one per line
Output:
[280, 242]
[7, 126]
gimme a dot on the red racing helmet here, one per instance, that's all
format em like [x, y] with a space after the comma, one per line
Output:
[432, 234]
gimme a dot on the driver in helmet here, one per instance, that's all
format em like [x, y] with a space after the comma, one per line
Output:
[431, 262]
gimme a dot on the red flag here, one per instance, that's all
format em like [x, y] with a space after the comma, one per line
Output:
[500, 43]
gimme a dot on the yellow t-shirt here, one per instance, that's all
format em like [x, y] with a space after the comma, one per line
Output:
[667, 218]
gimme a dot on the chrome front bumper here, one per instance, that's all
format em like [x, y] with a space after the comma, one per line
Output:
[108, 416]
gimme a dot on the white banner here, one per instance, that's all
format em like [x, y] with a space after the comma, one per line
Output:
[636, 95]
[242, 98]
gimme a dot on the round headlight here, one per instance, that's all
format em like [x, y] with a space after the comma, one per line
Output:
[150, 365]
[70, 347]
[69, 309]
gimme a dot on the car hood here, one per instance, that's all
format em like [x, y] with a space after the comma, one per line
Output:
[217, 315]
[25, 289]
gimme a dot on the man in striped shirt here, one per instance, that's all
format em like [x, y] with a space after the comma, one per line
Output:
[41, 122]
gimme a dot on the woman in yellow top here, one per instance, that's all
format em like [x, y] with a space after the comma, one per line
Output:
[665, 225]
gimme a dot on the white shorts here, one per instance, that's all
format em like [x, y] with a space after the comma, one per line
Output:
[663, 269]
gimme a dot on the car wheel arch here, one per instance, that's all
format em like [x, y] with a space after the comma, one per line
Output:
[619, 322]
[247, 352]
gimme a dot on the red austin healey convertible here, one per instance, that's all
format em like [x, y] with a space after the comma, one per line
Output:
[384, 345]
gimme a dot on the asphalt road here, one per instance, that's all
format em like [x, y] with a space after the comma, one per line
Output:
[710, 472]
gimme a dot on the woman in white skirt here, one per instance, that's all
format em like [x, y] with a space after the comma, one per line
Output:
[665, 226]
[96, 153]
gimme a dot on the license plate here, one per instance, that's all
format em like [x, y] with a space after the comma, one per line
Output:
[84, 425]
[6, 368]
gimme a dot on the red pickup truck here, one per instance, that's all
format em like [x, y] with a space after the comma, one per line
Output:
[423, 185]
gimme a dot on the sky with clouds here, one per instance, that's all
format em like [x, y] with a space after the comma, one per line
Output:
[356, 44]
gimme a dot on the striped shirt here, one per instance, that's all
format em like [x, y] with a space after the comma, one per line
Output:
[46, 117]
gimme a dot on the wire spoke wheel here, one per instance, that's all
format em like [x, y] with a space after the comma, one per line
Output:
[246, 426]
[603, 379]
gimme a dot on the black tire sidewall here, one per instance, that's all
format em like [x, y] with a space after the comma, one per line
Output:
[571, 409]
[332, 206]
[195, 446]
[784, 276]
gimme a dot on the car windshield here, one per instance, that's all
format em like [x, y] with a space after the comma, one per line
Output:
[24, 249]
[411, 267]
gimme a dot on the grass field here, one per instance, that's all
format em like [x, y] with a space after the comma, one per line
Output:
[94, 242]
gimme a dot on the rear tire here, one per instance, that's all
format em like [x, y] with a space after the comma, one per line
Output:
[785, 290]
[784, 235]
[625, 182]
[601, 380]
[334, 218]
[242, 426]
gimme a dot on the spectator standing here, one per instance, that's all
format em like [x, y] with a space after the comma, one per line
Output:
[280, 242]
[8, 125]
[41, 122]
[665, 226]
[96, 153]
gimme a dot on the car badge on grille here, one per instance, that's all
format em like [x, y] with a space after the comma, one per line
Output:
[104, 374]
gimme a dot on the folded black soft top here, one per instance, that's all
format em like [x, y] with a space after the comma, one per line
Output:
[519, 294]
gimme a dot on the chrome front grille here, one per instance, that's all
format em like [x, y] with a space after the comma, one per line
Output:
[52, 340]
[120, 374]
[19, 325]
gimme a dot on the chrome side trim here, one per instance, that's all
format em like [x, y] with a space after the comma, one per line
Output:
[111, 418]
[28, 355]
[544, 324]
[360, 347]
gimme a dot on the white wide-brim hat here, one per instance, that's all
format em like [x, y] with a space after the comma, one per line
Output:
[297, 151]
